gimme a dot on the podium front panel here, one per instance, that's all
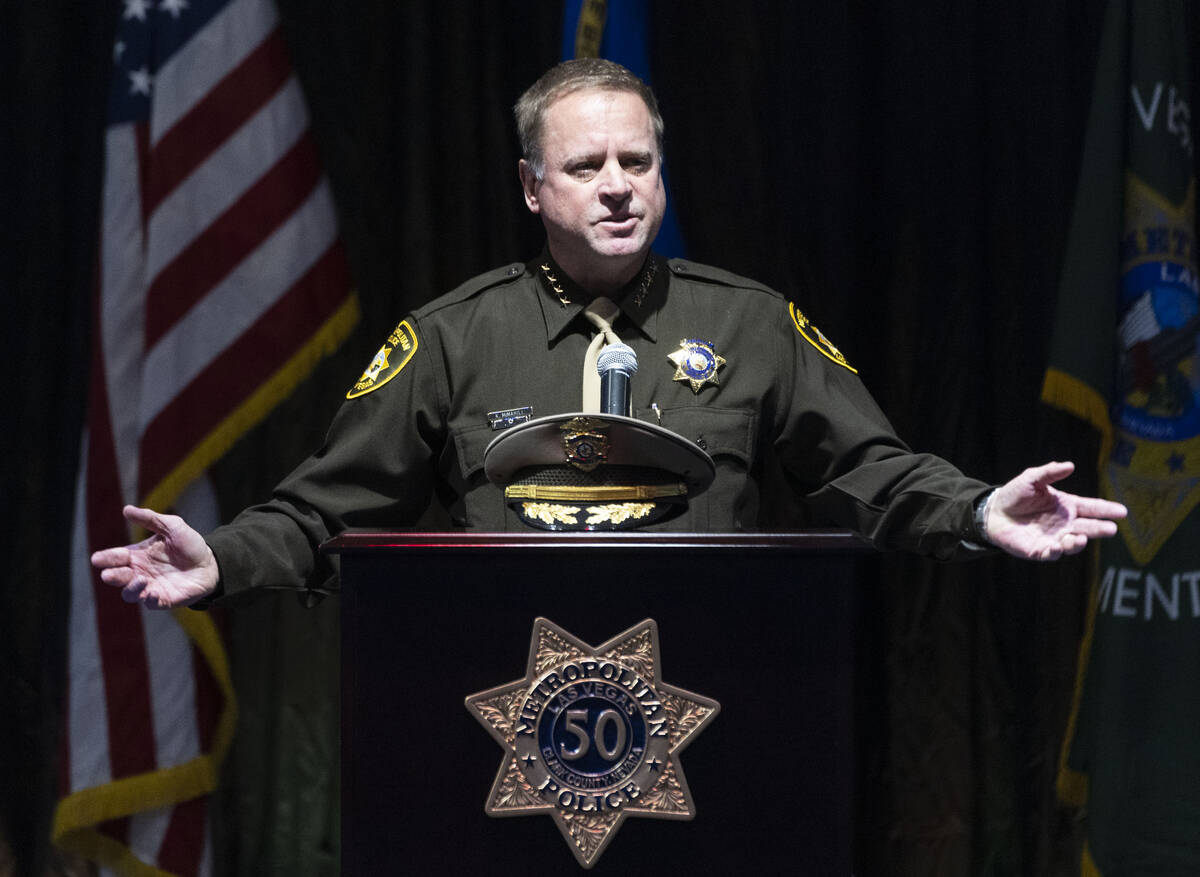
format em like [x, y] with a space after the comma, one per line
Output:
[765, 625]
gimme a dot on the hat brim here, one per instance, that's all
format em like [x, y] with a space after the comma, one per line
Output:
[632, 442]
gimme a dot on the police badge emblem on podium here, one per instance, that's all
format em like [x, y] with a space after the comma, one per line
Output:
[591, 735]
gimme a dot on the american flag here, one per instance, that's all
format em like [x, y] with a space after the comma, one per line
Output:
[221, 281]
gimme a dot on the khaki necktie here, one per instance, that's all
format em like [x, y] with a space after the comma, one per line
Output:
[600, 313]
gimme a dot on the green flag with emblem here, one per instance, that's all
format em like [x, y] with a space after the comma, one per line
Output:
[1126, 358]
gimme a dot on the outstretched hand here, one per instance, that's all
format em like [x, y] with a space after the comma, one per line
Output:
[1028, 518]
[173, 567]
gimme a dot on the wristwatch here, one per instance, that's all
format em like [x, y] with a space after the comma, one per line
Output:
[982, 505]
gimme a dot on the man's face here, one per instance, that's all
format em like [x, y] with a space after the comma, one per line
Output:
[601, 198]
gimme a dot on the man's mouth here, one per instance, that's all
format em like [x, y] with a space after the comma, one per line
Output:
[619, 221]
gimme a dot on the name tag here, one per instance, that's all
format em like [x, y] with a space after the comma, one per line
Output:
[504, 419]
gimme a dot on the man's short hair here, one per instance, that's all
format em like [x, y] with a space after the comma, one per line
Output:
[566, 78]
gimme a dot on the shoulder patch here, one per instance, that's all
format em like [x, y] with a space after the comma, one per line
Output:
[391, 359]
[814, 336]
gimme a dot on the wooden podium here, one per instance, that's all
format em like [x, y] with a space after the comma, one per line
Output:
[764, 624]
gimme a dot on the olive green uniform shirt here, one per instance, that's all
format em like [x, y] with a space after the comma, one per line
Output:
[796, 438]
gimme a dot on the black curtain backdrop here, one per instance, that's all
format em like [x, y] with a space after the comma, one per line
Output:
[903, 171]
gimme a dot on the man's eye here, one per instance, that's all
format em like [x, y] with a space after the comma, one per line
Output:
[637, 165]
[585, 170]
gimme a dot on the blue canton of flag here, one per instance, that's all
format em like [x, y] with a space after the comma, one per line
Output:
[148, 34]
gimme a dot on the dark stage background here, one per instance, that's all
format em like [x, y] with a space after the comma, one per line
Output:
[903, 171]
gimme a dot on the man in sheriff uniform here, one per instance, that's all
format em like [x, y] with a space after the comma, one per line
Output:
[724, 363]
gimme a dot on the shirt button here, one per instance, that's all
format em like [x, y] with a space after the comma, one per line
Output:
[514, 271]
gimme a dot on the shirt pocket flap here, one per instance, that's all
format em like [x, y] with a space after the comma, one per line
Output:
[720, 431]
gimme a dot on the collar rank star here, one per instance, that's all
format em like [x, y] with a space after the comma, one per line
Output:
[696, 363]
[591, 735]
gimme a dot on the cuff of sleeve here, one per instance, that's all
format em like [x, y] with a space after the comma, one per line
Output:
[206, 602]
[979, 537]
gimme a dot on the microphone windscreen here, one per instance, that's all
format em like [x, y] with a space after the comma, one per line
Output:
[618, 356]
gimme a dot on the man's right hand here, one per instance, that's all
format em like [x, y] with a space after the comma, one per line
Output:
[174, 567]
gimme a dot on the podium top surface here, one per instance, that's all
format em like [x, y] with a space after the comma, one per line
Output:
[378, 541]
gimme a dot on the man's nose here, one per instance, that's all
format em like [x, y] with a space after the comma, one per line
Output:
[614, 181]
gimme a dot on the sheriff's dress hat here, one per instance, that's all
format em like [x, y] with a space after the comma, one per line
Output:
[595, 471]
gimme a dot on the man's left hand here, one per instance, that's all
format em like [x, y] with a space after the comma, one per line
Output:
[1029, 518]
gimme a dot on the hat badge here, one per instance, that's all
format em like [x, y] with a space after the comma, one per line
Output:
[585, 442]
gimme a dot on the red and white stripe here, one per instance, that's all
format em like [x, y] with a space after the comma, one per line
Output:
[219, 263]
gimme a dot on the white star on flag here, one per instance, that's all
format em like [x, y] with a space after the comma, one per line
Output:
[173, 6]
[137, 9]
[139, 81]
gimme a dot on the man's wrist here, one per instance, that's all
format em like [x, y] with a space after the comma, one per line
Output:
[217, 589]
[983, 506]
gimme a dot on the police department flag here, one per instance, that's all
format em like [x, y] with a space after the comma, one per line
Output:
[619, 31]
[221, 281]
[1132, 753]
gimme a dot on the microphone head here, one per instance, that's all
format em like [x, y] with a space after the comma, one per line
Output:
[617, 356]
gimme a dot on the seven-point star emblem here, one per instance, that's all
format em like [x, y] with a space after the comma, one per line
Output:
[696, 363]
[591, 735]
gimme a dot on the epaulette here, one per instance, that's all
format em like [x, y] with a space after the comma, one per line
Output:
[707, 273]
[472, 287]
[400, 346]
[810, 333]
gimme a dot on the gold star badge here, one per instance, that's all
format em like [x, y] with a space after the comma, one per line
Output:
[591, 735]
[696, 363]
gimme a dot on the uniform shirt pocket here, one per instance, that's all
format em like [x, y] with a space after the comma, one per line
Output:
[719, 431]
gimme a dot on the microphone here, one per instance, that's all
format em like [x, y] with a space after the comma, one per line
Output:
[617, 363]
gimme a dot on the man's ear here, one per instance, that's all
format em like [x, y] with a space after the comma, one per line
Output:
[529, 184]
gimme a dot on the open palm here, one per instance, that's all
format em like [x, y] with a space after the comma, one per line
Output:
[173, 567]
[1029, 518]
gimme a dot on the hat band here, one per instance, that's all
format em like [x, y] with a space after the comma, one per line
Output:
[593, 493]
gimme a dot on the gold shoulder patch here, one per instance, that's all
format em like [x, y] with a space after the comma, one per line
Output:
[813, 336]
[392, 357]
